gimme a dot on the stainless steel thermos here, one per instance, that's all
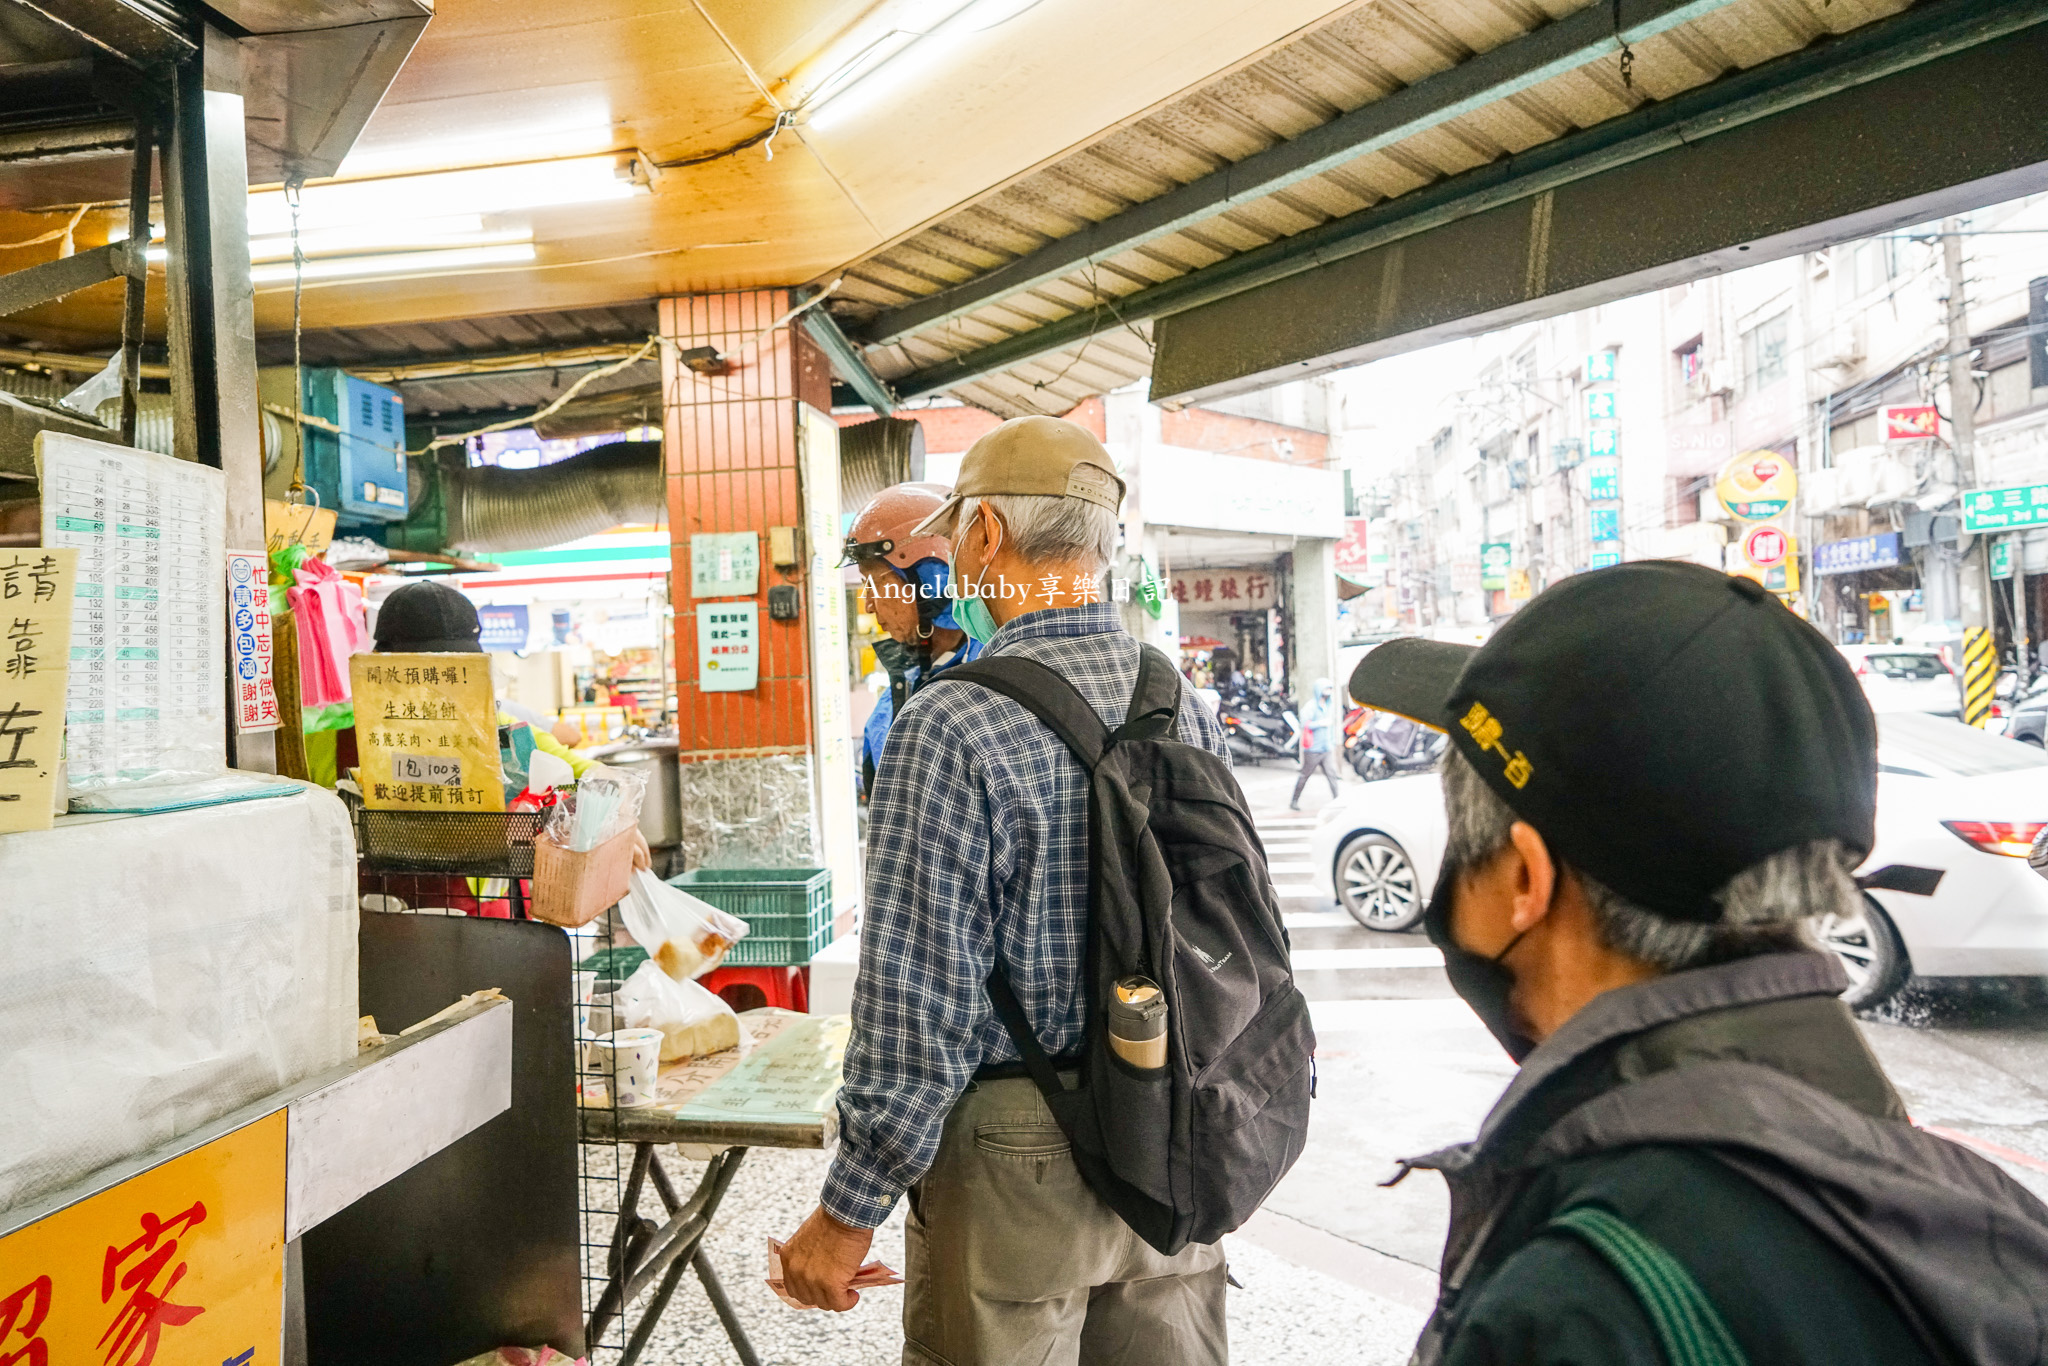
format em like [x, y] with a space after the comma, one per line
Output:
[1137, 1022]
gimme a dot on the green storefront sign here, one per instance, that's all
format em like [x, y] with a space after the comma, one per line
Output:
[2005, 509]
[1495, 559]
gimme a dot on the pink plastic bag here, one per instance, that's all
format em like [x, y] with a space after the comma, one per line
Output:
[328, 612]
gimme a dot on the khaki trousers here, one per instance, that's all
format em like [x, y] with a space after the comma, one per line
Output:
[1012, 1261]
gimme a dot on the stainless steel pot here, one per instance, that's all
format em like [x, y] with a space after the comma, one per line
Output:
[661, 812]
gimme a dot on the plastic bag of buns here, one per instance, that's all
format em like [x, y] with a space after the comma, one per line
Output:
[685, 936]
[692, 1021]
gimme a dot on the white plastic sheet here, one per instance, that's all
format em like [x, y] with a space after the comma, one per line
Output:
[157, 972]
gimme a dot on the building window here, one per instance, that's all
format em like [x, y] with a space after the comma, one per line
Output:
[1764, 352]
[1875, 265]
[1692, 363]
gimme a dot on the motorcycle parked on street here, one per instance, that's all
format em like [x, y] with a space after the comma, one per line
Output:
[1383, 745]
[1260, 724]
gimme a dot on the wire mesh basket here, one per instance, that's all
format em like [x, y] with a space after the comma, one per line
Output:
[472, 843]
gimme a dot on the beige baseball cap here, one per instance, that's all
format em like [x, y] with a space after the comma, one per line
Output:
[1047, 456]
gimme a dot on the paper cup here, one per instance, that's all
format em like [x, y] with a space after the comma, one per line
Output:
[634, 1059]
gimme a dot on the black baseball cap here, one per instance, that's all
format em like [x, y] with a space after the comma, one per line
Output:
[1663, 725]
[428, 618]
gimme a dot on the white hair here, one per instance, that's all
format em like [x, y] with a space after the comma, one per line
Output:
[1764, 908]
[1050, 529]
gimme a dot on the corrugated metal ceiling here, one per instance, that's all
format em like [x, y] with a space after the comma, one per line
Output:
[1361, 56]
[364, 347]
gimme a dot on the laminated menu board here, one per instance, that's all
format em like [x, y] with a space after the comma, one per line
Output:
[427, 732]
[145, 701]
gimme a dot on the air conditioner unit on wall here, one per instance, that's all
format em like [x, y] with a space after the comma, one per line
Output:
[1841, 346]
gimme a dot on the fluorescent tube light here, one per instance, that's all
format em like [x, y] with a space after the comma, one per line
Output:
[911, 40]
[392, 265]
[440, 194]
[458, 230]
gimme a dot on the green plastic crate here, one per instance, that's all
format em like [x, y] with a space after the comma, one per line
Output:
[788, 910]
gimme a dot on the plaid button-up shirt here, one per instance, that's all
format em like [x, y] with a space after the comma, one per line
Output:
[977, 844]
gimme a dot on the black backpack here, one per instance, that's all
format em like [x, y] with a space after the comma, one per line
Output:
[1179, 894]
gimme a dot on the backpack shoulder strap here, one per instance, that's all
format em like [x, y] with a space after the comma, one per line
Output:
[1688, 1327]
[1044, 694]
[1155, 699]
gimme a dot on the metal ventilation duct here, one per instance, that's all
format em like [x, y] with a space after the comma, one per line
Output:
[156, 423]
[493, 509]
[874, 455]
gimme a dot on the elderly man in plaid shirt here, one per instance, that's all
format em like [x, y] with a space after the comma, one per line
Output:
[978, 847]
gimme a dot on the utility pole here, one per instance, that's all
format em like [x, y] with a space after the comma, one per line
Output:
[1980, 663]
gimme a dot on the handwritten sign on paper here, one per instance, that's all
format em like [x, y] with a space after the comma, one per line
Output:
[36, 588]
[427, 731]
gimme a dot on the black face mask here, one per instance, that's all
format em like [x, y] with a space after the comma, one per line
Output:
[1481, 982]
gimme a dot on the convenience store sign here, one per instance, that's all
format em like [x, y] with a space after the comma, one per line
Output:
[2005, 509]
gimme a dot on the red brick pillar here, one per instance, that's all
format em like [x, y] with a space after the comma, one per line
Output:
[750, 447]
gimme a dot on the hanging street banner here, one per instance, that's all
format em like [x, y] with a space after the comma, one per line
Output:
[1757, 486]
[2005, 509]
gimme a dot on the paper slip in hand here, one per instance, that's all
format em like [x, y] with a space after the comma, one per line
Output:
[870, 1277]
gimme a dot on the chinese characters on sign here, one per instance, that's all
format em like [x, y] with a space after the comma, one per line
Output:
[1603, 481]
[1918, 422]
[1353, 553]
[181, 1264]
[35, 659]
[1857, 554]
[725, 564]
[1225, 590]
[427, 732]
[145, 1273]
[255, 701]
[728, 646]
[2005, 509]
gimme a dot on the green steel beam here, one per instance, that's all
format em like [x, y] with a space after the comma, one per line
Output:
[1579, 39]
[1925, 33]
[846, 360]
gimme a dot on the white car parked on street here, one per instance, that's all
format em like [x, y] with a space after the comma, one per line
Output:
[1905, 678]
[1949, 798]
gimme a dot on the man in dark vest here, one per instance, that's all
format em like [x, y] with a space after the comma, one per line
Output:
[1658, 778]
